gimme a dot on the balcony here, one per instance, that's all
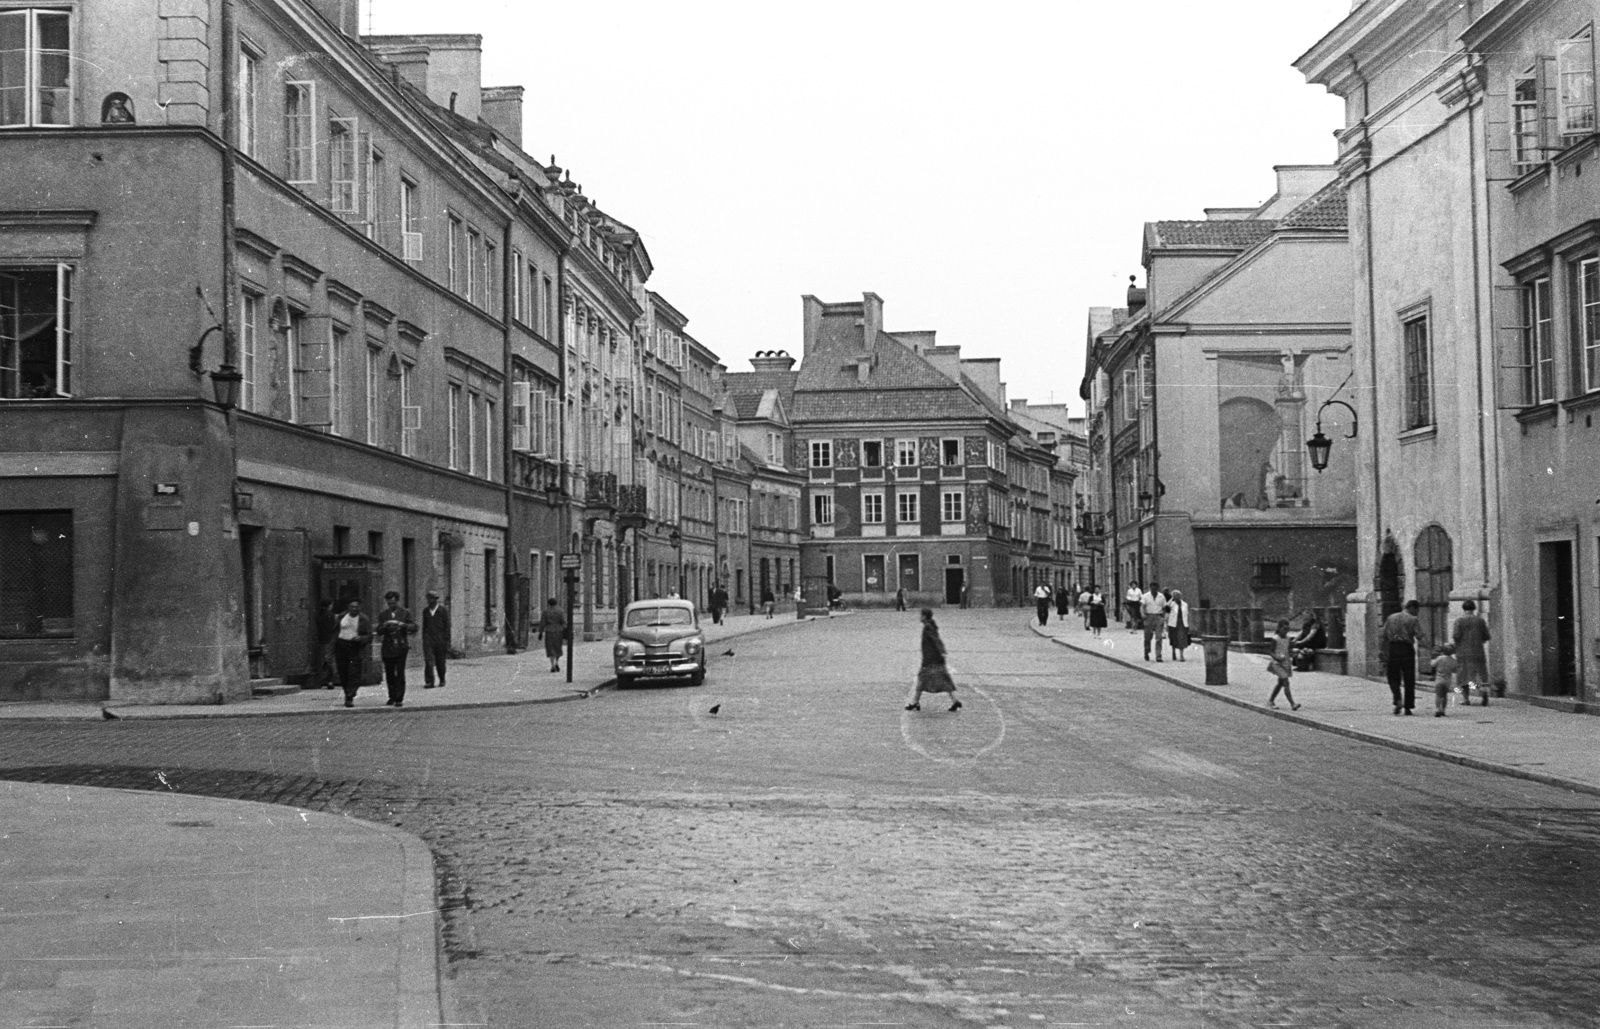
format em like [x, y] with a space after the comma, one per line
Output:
[600, 490]
[532, 472]
[632, 500]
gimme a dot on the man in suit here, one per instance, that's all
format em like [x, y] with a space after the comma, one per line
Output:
[435, 640]
[351, 639]
[395, 626]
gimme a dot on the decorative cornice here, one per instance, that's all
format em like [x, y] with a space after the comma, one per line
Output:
[47, 220]
[261, 247]
[293, 265]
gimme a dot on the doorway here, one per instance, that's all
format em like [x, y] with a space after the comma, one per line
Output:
[250, 559]
[953, 580]
[1558, 651]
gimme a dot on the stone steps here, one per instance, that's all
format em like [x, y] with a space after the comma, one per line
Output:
[271, 687]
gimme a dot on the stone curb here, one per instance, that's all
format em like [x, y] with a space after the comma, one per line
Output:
[233, 711]
[1421, 750]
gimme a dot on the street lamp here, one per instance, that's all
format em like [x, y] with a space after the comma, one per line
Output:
[676, 539]
[225, 383]
[1319, 446]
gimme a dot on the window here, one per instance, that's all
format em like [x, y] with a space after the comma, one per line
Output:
[474, 261]
[491, 576]
[374, 382]
[473, 414]
[343, 169]
[871, 453]
[872, 508]
[337, 340]
[249, 314]
[952, 506]
[249, 75]
[35, 67]
[997, 456]
[1271, 572]
[549, 309]
[1418, 373]
[293, 335]
[35, 574]
[775, 449]
[1525, 143]
[1130, 394]
[1575, 114]
[300, 132]
[950, 452]
[519, 283]
[35, 331]
[906, 507]
[1587, 310]
[410, 413]
[375, 193]
[491, 439]
[341, 539]
[491, 278]
[822, 453]
[905, 453]
[1537, 355]
[453, 277]
[453, 417]
[375, 543]
[410, 226]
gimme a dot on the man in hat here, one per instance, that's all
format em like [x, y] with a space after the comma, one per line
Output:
[395, 628]
[435, 640]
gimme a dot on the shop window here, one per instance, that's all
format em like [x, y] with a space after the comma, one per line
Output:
[35, 574]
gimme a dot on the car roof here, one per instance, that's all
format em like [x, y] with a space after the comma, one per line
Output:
[662, 602]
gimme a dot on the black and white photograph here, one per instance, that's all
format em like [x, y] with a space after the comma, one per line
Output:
[691, 513]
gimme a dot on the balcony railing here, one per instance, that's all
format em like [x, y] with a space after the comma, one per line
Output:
[632, 500]
[600, 490]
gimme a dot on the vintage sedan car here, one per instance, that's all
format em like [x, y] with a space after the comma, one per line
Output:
[660, 639]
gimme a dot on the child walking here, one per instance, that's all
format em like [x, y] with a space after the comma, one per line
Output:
[1444, 677]
[1282, 665]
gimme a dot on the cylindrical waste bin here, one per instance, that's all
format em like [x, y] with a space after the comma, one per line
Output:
[1216, 650]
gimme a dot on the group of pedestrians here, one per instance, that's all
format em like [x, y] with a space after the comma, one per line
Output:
[347, 636]
[1462, 659]
[1163, 614]
[1044, 598]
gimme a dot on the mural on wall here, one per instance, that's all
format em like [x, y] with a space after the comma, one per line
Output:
[1261, 424]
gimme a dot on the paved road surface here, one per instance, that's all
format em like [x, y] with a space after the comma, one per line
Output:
[1079, 846]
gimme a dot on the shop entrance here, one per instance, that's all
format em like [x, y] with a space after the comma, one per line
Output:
[1558, 651]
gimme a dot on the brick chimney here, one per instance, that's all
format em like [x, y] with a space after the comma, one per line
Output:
[452, 66]
[502, 111]
[1135, 297]
[345, 15]
[772, 361]
[872, 317]
[811, 314]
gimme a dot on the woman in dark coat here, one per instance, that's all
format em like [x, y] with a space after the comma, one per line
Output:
[1097, 611]
[553, 627]
[933, 676]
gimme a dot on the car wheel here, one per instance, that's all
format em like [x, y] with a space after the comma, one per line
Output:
[624, 681]
[698, 678]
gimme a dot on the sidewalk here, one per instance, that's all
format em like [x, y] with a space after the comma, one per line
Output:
[495, 680]
[1508, 737]
[159, 911]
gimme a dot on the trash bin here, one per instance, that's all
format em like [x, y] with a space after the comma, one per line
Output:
[1216, 650]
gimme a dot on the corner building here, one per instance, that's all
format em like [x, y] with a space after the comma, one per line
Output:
[905, 457]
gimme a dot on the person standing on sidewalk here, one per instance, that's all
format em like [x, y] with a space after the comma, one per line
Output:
[1130, 605]
[1041, 602]
[1063, 602]
[933, 676]
[718, 602]
[395, 627]
[1282, 665]
[768, 601]
[553, 630]
[1444, 677]
[435, 640]
[1401, 632]
[1470, 635]
[1097, 612]
[1083, 605]
[1154, 607]
[351, 641]
[1177, 625]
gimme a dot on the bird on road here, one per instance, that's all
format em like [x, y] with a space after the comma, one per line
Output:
[108, 716]
[715, 708]
[728, 652]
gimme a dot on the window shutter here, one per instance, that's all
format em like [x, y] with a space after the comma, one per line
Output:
[1575, 86]
[63, 330]
[315, 398]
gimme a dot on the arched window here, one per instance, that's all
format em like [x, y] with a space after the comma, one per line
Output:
[1434, 579]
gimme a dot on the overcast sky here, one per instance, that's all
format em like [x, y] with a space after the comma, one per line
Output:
[986, 169]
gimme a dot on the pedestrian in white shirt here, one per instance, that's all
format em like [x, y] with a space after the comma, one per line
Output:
[1178, 624]
[1153, 604]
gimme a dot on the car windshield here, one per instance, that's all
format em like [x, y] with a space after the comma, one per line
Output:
[660, 616]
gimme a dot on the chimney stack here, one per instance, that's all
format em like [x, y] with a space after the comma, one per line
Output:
[345, 15]
[772, 361]
[502, 111]
[1135, 297]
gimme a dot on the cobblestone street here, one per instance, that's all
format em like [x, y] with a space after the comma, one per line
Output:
[1080, 845]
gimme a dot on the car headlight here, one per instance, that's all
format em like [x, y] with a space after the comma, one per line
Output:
[693, 645]
[626, 649]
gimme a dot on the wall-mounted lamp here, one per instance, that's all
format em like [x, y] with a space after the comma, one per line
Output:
[225, 383]
[1320, 447]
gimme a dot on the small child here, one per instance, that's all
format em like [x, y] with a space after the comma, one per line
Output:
[1444, 677]
[1282, 665]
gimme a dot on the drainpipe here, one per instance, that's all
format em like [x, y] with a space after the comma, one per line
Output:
[227, 122]
[513, 546]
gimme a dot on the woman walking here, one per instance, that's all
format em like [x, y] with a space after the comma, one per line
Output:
[933, 676]
[553, 627]
[1282, 665]
[1178, 624]
[1097, 612]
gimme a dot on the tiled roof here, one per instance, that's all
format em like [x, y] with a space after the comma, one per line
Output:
[894, 405]
[1329, 208]
[829, 365]
[1239, 233]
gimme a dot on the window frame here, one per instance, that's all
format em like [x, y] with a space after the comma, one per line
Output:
[908, 507]
[1416, 381]
[1575, 93]
[822, 453]
[453, 417]
[247, 130]
[249, 319]
[872, 507]
[875, 444]
[946, 443]
[344, 165]
[32, 60]
[903, 449]
[1525, 120]
[1538, 348]
[300, 122]
[945, 506]
[65, 304]
[1586, 322]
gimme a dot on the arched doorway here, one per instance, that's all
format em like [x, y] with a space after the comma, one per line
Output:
[1431, 557]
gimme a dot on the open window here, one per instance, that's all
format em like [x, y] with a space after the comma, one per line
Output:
[35, 67]
[35, 331]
